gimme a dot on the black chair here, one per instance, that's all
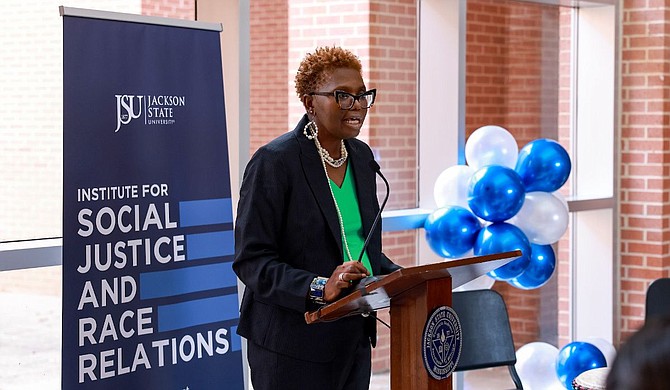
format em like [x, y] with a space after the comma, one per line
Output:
[487, 336]
[658, 299]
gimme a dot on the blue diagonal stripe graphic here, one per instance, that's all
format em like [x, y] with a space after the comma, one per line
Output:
[212, 244]
[186, 280]
[198, 312]
[205, 212]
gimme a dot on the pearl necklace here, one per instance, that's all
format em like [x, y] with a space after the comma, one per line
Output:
[325, 156]
[311, 131]
[337, 208]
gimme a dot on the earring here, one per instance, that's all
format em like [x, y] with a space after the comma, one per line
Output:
[311, 130]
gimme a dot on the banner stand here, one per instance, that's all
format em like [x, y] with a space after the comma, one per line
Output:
[150, 299]
[134, 18]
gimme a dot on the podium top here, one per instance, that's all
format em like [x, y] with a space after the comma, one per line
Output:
[378, 293]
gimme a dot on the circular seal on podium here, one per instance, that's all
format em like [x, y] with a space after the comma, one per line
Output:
[442, 341]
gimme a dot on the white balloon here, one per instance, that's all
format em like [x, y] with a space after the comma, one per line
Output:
[491, 145]
[483, 282]
[543, 218]
[536, 366]
[451, 187]
[557, 385]
[605, 347]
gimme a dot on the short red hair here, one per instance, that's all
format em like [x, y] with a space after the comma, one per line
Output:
[316, 67]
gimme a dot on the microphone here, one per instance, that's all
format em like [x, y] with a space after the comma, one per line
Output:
[375, 167]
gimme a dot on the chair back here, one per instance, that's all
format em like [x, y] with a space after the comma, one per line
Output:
[658, 299]
[487, 337]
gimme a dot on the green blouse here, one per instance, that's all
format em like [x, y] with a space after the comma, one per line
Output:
[347, 202]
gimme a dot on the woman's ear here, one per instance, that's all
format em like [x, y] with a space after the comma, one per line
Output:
[308, 103]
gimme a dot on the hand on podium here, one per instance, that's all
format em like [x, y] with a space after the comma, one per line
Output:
[343, 278]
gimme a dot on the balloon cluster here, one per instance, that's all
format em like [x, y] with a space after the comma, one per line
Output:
[541, 366]
[504, 199]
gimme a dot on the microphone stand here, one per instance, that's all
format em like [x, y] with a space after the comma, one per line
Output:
[375, 167]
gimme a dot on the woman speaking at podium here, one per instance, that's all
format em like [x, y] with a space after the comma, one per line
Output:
[307, 201]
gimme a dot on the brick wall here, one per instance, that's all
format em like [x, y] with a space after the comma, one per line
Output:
[644, 147]
[177, 9]
[393, 134]
[271, 80]
[393, 71]
[383, 34]
[645, 155]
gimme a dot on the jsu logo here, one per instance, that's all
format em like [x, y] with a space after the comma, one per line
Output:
[127, 109]
[442, 341]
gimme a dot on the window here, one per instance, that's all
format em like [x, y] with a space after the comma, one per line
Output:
[521, 65]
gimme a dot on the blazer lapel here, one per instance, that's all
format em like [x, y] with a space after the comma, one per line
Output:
[317, 181]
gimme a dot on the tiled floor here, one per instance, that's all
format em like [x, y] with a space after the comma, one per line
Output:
[485, 379]
[30, 332]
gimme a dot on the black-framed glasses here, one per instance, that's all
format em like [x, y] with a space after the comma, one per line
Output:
[346, 100]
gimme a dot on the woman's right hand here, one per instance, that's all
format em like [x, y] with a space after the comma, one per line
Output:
[343, 277]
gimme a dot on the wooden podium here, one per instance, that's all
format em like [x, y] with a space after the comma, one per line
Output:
[412, 293]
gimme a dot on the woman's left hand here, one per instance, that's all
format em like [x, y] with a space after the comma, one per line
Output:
[342, 278]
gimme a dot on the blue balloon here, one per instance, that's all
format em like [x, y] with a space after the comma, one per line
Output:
[451, 231]
[539, 270]
[503, 237]
[576, 358]
[496, 193]
[543, 165]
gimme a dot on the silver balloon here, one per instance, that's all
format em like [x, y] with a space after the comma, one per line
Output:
[491, 145]
[605, 347]
[536, 366]
[451, 187]
[543, 218]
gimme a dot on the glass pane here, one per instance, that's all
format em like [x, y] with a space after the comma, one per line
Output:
[518, 76]
[31, 129]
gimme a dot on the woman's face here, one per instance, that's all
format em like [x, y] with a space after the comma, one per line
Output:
[334, 123]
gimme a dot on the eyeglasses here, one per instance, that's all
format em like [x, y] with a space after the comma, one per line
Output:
[346, 100]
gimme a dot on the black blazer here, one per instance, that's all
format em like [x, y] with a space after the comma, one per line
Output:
[286, 233]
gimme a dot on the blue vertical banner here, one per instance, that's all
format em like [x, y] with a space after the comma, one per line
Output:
[149, 296]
